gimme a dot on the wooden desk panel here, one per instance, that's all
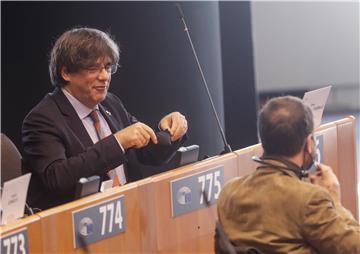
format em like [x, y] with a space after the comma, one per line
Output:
[148, 215]
[193, 231]
[202, 244]
[245, 163]
[32, 223]
[57, 223]
[347, 164]
[340, 155]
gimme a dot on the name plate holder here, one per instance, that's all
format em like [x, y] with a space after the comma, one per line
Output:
[98, 222]
[188, 193]
[16, 242]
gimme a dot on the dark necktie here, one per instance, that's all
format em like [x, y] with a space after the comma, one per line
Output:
[95, 118]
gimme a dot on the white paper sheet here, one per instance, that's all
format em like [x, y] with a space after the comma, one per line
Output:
[316, 99]
[13, 198]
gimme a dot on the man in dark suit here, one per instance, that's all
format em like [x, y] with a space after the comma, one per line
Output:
[80, 129]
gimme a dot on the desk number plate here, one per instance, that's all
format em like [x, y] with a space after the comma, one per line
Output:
[187, 193]
[15, 243]
[98, 222]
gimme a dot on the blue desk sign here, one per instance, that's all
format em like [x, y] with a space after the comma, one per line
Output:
[16, 242]
[187, 192]
[319, 143]
[98, 222]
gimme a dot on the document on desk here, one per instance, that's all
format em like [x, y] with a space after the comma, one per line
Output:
[316, 100]
[13, 198]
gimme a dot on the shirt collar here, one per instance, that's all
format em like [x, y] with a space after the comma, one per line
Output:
[81, 110]
[282, 167]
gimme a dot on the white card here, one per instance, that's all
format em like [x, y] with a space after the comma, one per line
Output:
[316, 100]
[106, 185]
[13, 198]
[121, 175]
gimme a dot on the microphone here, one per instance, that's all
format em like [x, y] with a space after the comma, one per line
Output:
[28, 208]
[227, 147]
[83, 243]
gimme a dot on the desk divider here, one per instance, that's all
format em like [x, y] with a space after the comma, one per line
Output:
[347, 163]
[245, 164]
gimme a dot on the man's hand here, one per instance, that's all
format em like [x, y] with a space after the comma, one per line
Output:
[175, 123]
[325, 177]
[137, 135]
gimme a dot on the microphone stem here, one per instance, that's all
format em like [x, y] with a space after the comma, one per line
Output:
[227, 147]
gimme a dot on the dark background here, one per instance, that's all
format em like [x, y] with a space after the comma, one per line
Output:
[158, 73]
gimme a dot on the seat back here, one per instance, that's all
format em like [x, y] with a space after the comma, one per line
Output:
[222, 241]
[10, 160]
[223, 245]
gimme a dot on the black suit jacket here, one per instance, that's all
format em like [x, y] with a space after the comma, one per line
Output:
[58, 150]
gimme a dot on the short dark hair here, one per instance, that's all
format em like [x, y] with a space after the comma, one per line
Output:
[284, 124]
[80, 48]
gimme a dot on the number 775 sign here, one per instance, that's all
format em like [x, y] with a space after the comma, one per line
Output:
[187, 192]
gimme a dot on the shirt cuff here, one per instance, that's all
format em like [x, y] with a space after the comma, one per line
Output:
[122, 148]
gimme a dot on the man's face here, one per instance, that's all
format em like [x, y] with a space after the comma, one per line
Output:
[90, 85]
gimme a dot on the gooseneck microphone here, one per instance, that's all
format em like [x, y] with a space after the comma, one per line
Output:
[227, 147]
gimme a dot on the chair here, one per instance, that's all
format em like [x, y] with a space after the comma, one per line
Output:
[223, 245]
[11, 164]
[10, 160]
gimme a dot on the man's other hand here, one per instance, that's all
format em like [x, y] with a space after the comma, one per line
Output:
[136, 135]
[325, 177]
[175, 123]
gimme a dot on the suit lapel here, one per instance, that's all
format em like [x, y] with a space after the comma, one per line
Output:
[114, 124]
[72, 119]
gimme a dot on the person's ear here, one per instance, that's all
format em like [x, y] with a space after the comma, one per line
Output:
[309, 144]
[65, 74]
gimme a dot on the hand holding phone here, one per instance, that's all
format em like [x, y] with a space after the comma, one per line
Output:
[324, 176]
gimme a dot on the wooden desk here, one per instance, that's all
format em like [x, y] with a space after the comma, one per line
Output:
[150, 225]
[347, 159]
[245, 164]
[340, 154]
[58, 228]
[193, 231]
[32, 225]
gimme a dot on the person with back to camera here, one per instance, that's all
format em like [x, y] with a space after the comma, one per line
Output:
[81, 129]
[272, 209]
